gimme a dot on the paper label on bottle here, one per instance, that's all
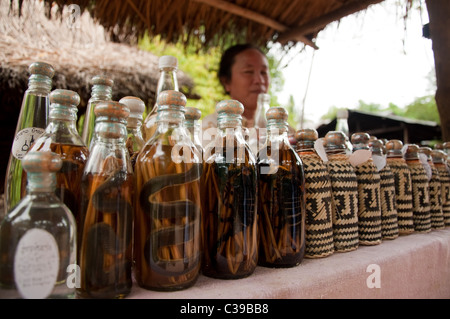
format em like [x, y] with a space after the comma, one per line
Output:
[24, 139]
[36, 264]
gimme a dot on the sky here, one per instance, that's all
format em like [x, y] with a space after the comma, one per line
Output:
[374, 56]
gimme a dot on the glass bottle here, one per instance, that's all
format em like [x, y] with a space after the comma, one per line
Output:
[434, 187]
[135, 141]
[439, 161]
[420, 190]
[61, 137]
[403, 186]
[369, 203]
[167, 233]
[229, 199]
[192, 124]
[344, 186]
[342, 126]
[30, 125]
[281, 200]
[106, 216]
[168, 66]
[319, 224]
[389, 215]
[101, 91]
[38, 237]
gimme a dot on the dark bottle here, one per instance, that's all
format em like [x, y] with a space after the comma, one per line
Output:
[106, 215]
[38, 237]
[319, 207]
[281, 200]
[31, 124]
[344, 186]
[167, 232]
[439, 160]
[403, 186]
[229, 198]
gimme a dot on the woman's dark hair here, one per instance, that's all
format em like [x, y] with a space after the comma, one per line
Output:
[227, 60]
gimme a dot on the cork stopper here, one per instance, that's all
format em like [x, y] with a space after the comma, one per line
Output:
[41, 68]
[65, 97]
[306, 135]
[102, 80]
[171, 99]
[41, 161]
[167, 61]
[135, 105]
[277, 113]
[360, 141]
[230, 107]
[394, 148]
[335, 140]
[376, 146]
[438, 156]
[111, 109]
[412, 152]
[192, 114]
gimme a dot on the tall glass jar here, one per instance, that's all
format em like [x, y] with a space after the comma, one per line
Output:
[101, 91]
[167, 233]
[61, 137]
[319, 207]
[168, 66]
[403, 186]
[344, 186]
[420, 190]
[229, 199]
[389, 215]
[135, 141]
[369, 203]
[31, 124]
[281, 200]
[106, 215]
[38, 237]
[439, 160]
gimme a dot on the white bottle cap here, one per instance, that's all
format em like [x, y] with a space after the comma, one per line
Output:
[168, 61]
[135, 104]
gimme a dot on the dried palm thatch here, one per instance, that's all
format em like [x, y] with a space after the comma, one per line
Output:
[219, 22]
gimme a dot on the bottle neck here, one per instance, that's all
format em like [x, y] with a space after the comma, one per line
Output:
[39, 84]
[109, 130]
[167, 80]
[170, 117]
[101, 93]
[305, 145]
[342, 126]
[42, 182]
[229, 121]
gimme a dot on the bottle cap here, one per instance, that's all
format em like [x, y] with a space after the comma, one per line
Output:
[360, 141]
[229, 107]
[111, 109]
[135, 105]
[277, 113]
[308, 134]
[438, 156]
[171, 99]
[41, 161]
[335, 140]
[102, 80]
[168, 61]
[427, 151]
[376, 146]
[64, 97]
[41, 68]
[342, 114]
[412, 151]
[192, 114]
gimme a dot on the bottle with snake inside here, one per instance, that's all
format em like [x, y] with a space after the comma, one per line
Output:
[167, 231]
[229, 199]
[106, 215]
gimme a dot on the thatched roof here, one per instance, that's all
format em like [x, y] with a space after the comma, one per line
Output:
[217, 22]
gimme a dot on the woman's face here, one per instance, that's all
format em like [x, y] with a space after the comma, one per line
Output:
[249, 78]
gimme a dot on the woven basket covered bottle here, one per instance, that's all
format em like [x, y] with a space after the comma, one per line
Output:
[435, 190]
[319, 224]
[403, 186]
[369, 205]
[444, 176]
[344, 187]
[420, 190]
[389, 217]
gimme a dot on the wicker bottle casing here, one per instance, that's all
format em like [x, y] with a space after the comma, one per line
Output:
[444, 176]
[344, 186]
[389, 216]
[319, 224]
[435, 190]
[403, 186]
[369, 204]
[420, 190]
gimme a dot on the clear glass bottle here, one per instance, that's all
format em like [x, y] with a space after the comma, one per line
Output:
[282, 198]
[389, 215]
[420, 190]
[344, 186]
[168, 66]
[31, 124]
[439, 161]
[38, 237]
[319, 207]
[342, 126]
[229, 199]
[101, 91]
[106, 215]
[135, 141]
[61, 137]
[403, 186]
[167, 232]
[369, 209]
[192, 124]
